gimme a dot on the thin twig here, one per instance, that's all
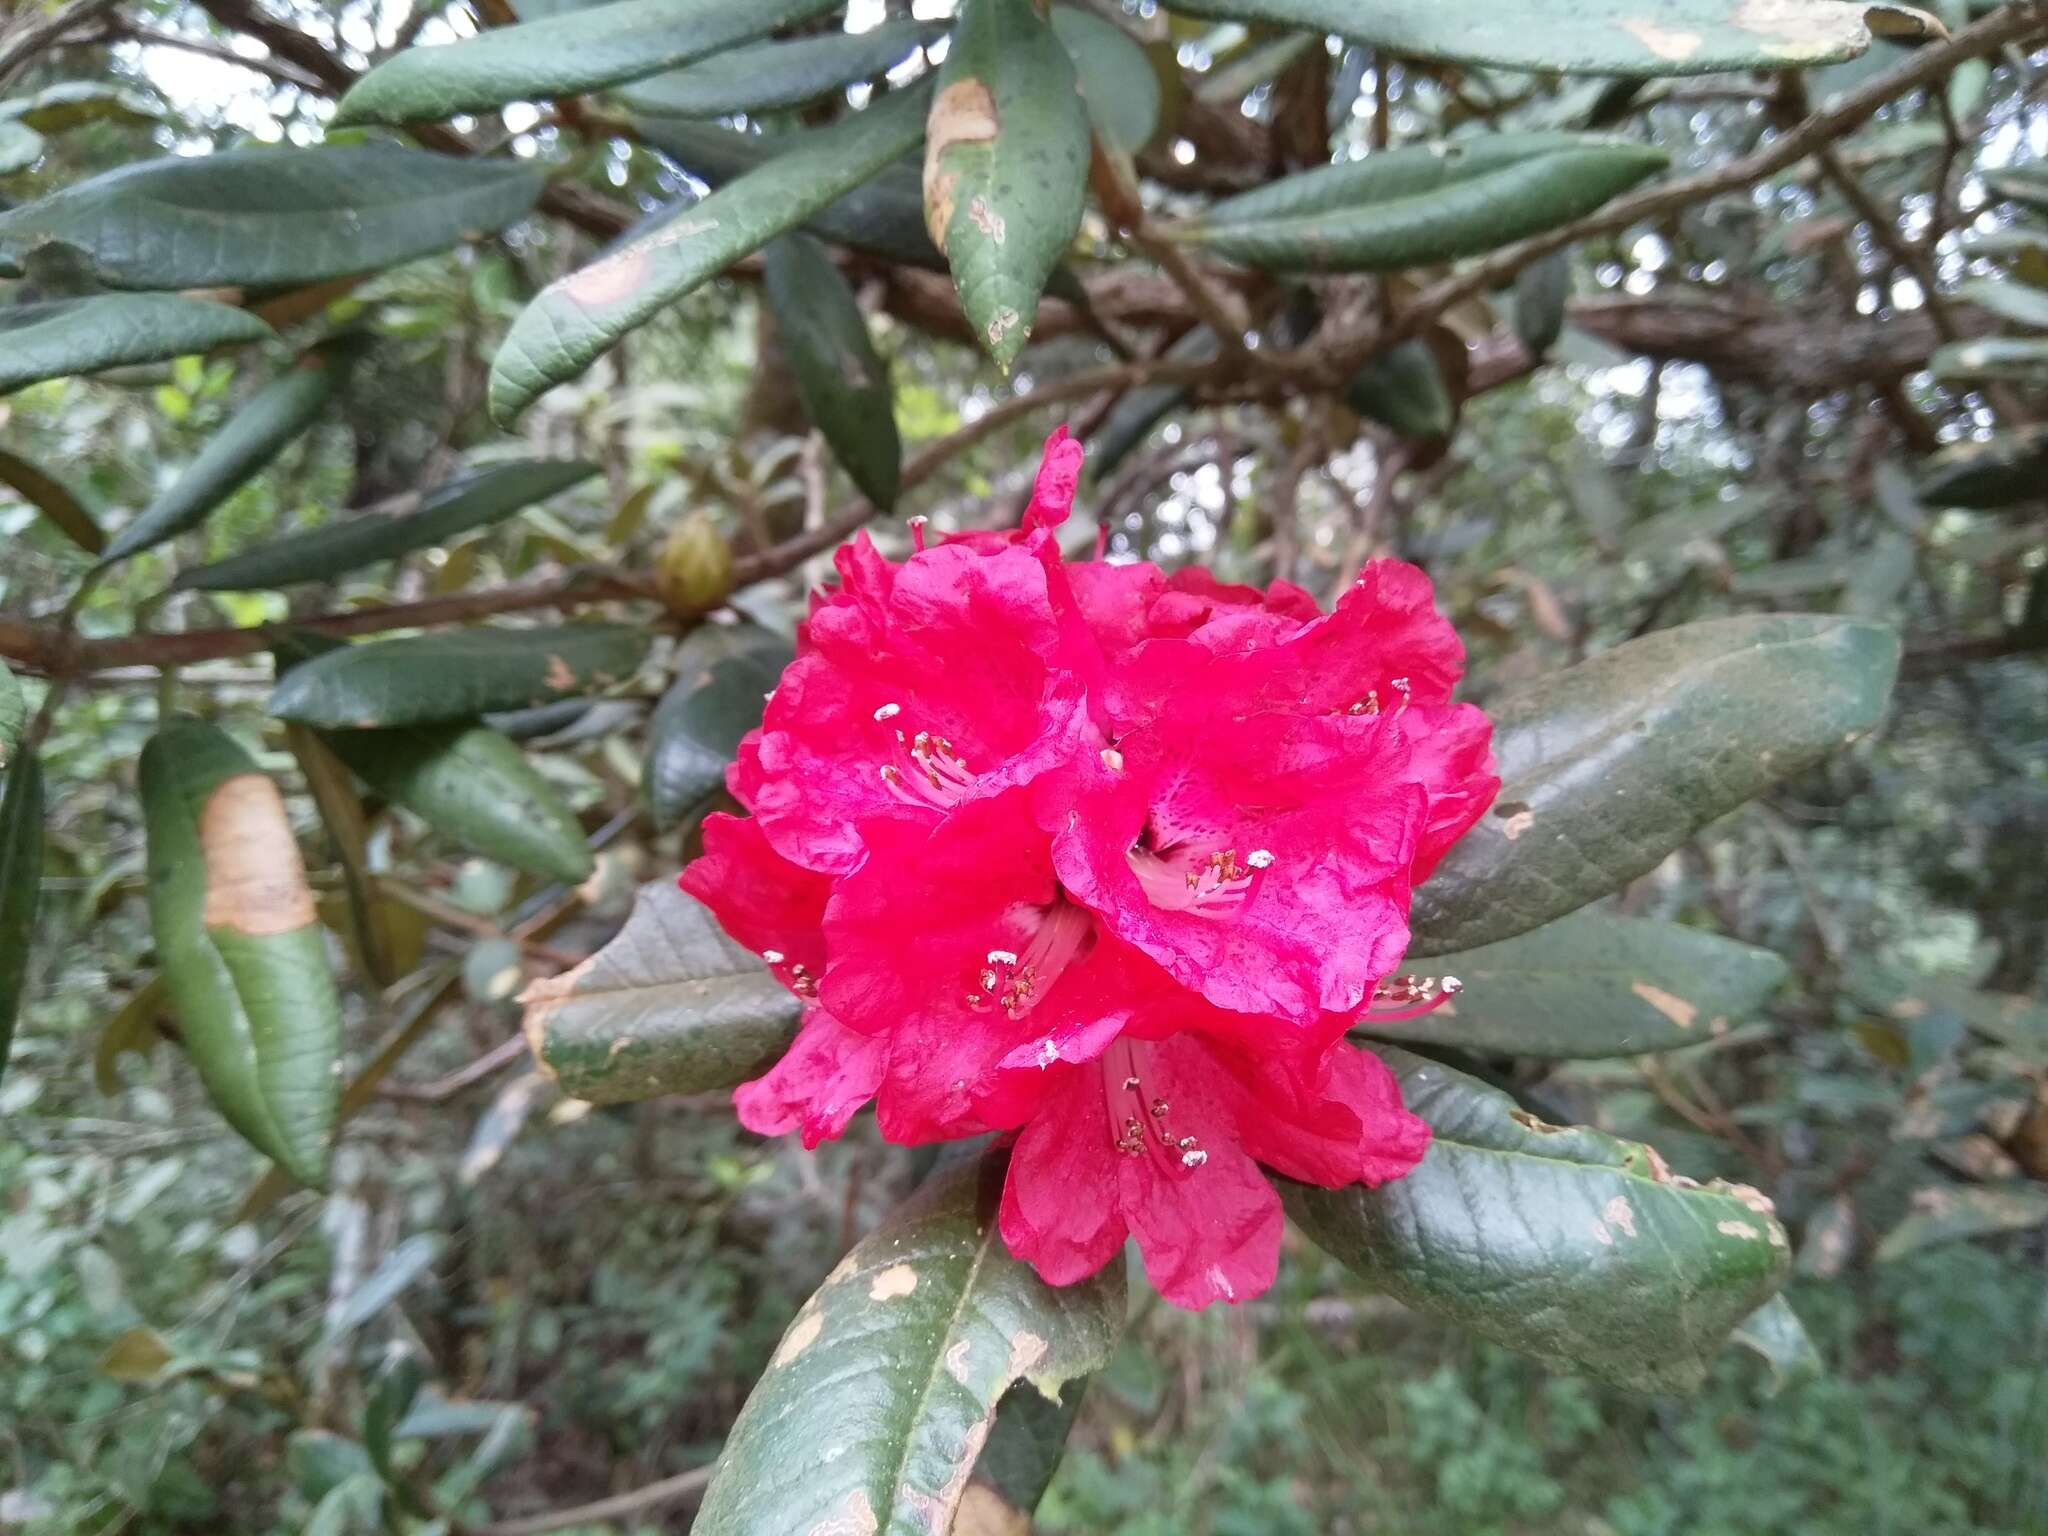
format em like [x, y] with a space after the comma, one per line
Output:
[38, 35]
[444, 1088]
[2008, 24]
[668, 1491]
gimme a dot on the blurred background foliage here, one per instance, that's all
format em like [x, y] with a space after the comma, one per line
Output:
[1737, 417]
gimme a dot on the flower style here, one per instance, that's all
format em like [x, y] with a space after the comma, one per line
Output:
[1106, 861]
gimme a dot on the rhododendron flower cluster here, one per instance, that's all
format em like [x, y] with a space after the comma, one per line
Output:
[1107, 861]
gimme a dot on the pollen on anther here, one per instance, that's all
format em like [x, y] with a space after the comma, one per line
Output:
[1451, 984]
[1193, 1159]
[1001, 957]
[1260, 858]
[772, 956]
[888, 712]
[1112, 759]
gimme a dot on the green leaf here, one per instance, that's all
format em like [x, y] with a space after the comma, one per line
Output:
[875, 1408]
[1541, 291]
[54, 500]
[391, 1398]
[1992, 357]
[768, 77]
[1403, 388]
[131, 1031]
[13, 714]
[843, 383]
[456, 675]
[56, 337]
[472, 501]
[1608, 766]
[256, 434]
[1565, 1243]
[1594, 984]
[1775, 1333]
[74, 103]
[1006, 167]
[1596, 37]
[1954, 1213]
[883, 216]
[558, 56]
[20, 147]
[2006, 470]
[577, 317]
[2020, 1023]
[1422, 203]
[671, 1005]
[271, 218]
[386, 1283]
[21, 886]
[1118, 83]
[240, 944]
[2026, 185]
[2009, 300]
[341, 814]
[475, 787]
[723, 675]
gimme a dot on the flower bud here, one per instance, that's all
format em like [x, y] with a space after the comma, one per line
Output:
[694, 571]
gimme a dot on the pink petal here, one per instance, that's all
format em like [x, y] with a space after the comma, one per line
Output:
[765, 902]
[824, 1078]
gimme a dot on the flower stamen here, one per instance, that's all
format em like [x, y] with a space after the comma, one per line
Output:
[1212, 885]
[1409, 997]
[1016, 983]
[1128, 1126]
[927, 772]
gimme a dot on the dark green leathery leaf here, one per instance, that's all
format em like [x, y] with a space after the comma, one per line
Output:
[671, 1005]
[1423, 203]
[557, 56]
[576, 318]
[722, 677]
[254, 435]
[334, 549]
[2005, 470]
[240, 945]
[1599, 37]
[456, 675]
[1006, 167]
[474, 786]
[55, 337]
[1571, 1245]
[13, 714]
[21, 884]
[1116, 78]
[1594, 984]
[883, 216]
[769, 76]
[843, 382]
[1404, 389]
[876, 1405]
[55, 500]
[271, 218]
[1608, 766]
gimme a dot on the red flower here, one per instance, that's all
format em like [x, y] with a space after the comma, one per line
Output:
[1105, 860]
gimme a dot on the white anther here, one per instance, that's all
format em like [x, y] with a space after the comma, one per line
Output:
[1001, 957]
[1451, 985]
[1260, 858]
[888, 711]
[1112, 759]
[772, 956]
[1193, 1159]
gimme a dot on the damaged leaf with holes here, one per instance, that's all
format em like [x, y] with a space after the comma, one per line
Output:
[1006, 167]
[241, 947]
[671, 1005]
[877, 1404]
[1608, 766]
[1566, 1243]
